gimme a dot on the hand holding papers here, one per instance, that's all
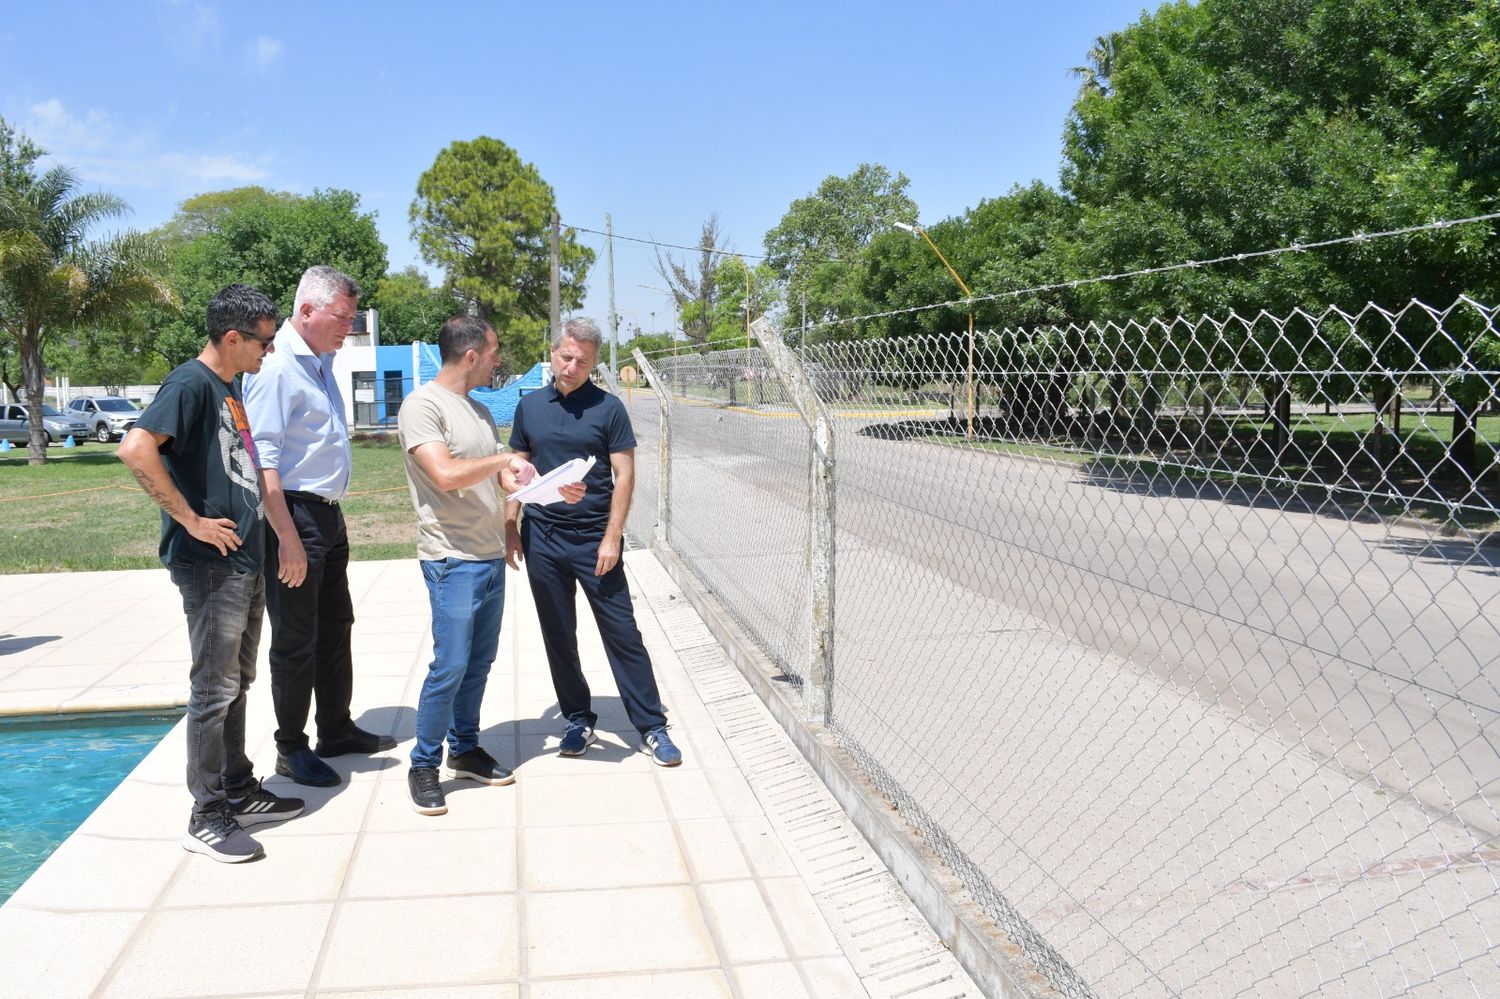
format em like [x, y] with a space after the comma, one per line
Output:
[547, 488]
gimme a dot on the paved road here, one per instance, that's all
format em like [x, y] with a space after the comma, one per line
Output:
[1261, 694]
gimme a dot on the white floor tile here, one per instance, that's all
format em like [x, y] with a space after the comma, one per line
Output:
[413, 942]
[602, 856]
[435, 861]
[640, 929]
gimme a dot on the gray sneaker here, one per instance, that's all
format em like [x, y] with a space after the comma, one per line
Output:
[261, 805]
[217, 835]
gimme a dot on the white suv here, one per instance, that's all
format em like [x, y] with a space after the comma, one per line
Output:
[109, 416]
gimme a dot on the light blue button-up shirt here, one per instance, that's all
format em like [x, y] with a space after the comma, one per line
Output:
[297, 418]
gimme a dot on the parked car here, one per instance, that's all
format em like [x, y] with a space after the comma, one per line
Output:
[16, 427]
[17, 431]
[109, 417]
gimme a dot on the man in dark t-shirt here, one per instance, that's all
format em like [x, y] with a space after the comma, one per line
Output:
[570, 545]
[192, 453]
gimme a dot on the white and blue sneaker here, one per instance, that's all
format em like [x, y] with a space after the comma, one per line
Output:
[577, 739]
[664, 753]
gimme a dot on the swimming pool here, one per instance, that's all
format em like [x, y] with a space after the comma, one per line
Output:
[55, 770]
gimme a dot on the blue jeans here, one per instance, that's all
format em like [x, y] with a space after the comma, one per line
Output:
[466, 598]
[224, 607]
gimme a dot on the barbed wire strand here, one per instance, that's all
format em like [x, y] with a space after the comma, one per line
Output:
[1298, 247]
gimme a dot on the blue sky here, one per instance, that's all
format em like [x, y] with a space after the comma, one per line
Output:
[658, 113]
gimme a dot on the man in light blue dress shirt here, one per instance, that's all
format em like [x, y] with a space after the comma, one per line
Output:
[296, 415]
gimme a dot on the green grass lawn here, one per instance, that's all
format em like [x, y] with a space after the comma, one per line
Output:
[82, 510]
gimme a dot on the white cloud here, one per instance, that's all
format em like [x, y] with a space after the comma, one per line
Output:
[192, 29]
[264, 52]
[212, 169]
[50, 124]
[101, 152]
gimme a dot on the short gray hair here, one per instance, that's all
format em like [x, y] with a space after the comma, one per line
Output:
[321, 284]
[583, 330]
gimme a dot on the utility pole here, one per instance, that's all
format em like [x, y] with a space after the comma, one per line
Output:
[614, 319]
[555, 313]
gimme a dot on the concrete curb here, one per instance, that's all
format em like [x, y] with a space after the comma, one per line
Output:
[979, 945]
[121, 706]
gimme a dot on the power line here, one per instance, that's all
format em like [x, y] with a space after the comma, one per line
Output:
[691, 249]
[1297, 247]
[669, 246]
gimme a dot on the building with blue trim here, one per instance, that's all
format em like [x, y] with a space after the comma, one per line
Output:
[374, 380]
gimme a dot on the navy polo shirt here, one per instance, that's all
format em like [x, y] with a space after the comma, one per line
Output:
[555, 428]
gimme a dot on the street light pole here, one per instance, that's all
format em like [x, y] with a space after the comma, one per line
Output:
[969, 295]
[614, 317]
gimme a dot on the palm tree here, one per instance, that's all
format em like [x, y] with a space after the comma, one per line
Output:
[1095, 76]
[52, 279]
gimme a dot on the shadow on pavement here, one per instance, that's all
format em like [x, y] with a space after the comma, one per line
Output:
[10, 644]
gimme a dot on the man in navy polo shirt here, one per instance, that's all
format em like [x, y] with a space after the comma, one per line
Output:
[570, 545]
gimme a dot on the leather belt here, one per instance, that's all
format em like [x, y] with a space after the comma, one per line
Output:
[310, 497]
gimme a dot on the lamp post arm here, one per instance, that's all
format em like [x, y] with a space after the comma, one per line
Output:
[967, 292]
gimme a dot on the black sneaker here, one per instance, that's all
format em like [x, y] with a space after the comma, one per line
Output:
[217, 835]
[261, 805]
[426, 791]
[356, 740]
[477, 765]
[301, 766]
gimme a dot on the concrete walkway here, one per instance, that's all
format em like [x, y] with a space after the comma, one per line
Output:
[733, 875]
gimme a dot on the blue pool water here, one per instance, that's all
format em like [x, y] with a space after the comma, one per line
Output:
[55, 770]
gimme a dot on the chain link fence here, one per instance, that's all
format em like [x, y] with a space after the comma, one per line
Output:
[1177, 641]
[740, 497]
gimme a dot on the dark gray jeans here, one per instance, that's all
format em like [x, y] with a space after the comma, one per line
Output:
[224, 608]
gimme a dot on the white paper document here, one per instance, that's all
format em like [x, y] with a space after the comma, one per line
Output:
[547, 488]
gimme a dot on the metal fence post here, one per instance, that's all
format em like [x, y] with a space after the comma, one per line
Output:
[608, 374]
[817, 682]
[663, 450]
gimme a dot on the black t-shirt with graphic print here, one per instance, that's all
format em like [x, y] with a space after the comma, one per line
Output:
[211, 459]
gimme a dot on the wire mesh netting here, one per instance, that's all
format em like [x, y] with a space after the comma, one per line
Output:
[738, 494]
[645, 419]
[1176, 640]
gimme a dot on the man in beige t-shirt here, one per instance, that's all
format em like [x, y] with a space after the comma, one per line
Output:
[456, 472]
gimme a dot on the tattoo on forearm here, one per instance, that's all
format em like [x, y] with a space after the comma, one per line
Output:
[158, 496]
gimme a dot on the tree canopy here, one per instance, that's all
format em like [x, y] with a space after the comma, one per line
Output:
[483, 215]
[265, 239]
[1229, 127]
[411, 309]
[55, 279]
[818, 244]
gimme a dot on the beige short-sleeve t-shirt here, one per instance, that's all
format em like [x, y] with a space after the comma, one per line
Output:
[465, 523]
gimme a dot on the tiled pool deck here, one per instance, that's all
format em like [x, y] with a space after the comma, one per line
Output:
[733, 875]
